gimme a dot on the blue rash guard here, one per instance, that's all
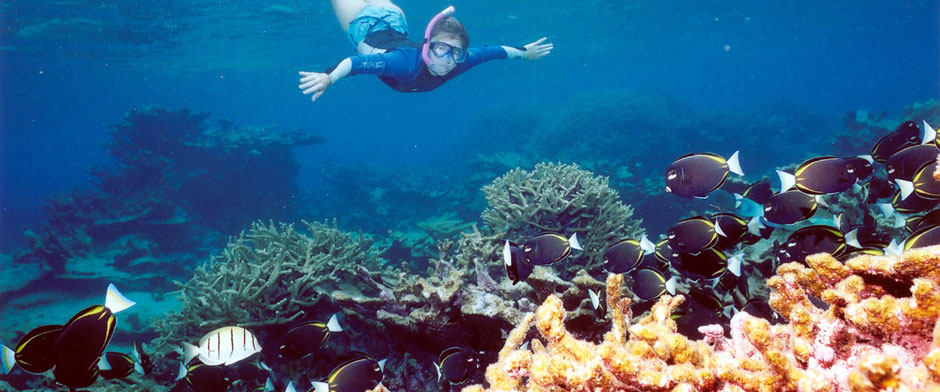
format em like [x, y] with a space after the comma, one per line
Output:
[403, 69]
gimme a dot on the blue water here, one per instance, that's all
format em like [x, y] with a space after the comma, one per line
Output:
[70, 70]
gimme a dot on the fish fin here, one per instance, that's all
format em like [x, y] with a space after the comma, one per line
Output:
[290, 387]
[701, 197]
[525, 346]
[894, 248]
[115, 301]
[837, 220]
[929, 133]
[438, 368]
[7, 359]
[595, 300]
[754, 226]
[269, 385]
[671, 285]
[821, 201]
[103, 363]
[183, 372]
[190, 352]
[507, 254]
[787, 180]
[905, 186]
[333, 325]
[851, 239]
[382, 364]
[647, 245]
[868, 158]
[737, 200]
[729, 311]
[899, 221]
[887, 209]
[573, 242]
[718, 229]
[734, 265]
[734, 165]
[138, 368]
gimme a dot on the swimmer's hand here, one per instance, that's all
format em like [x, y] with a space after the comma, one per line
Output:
[315, 83]
[537, 49]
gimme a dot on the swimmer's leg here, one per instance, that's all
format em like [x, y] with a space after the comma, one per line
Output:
[387, 4]
[346, 11]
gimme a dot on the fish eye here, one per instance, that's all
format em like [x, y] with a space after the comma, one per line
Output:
[672, 235]
[671, 174]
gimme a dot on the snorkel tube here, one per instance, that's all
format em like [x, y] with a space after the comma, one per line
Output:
[425, 48]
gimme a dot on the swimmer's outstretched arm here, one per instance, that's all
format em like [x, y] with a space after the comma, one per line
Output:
[533, 51]
[317, 83]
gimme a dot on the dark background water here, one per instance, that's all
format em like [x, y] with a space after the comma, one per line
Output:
[68, 70]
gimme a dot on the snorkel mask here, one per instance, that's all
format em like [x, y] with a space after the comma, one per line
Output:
[426, 47]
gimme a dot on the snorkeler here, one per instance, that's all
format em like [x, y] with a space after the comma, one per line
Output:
[378, 30]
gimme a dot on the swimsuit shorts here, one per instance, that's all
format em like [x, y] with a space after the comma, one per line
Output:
[374, 19]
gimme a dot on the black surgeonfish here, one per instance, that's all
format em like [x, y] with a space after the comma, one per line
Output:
[206, 378]
[696, 175]
[81, 344]
[692, 235]
[918, 222]
[905, 163]
[824, 175]
[789, 207]
[115, 365]
[517, 264]
[913, 204]
[907, 134]
[861, 165]
[706, 264]
[811, 240]
[925, 185]
[548, 247]
[455, 364]
[731, 229]
[34, 353]
[700, 308]
[625, 255]
[357, 374]
[649, 284]
[665, 253]
[926, 236]
[879, 188]
[142, 359]
[305, 339]
[83, 339]
[759, 192]
[758, 307]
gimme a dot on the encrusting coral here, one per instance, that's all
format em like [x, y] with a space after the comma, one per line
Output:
[560, 198]
[879, 333]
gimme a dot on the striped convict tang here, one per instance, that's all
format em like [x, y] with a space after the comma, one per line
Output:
[223, 346]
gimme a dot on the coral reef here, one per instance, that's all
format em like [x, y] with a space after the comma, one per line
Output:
[880, 332]
[177, 183]
[272, 275]
[561, 198]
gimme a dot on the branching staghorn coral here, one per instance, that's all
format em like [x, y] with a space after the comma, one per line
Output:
[270, 275]
[562, 198]
[872, 337]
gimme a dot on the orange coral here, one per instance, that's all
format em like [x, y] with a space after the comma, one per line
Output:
[867, 340]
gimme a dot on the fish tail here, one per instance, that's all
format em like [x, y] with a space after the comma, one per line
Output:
[734, 165]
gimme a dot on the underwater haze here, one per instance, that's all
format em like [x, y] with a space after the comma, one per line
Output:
[146, 143]
[69, 69]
